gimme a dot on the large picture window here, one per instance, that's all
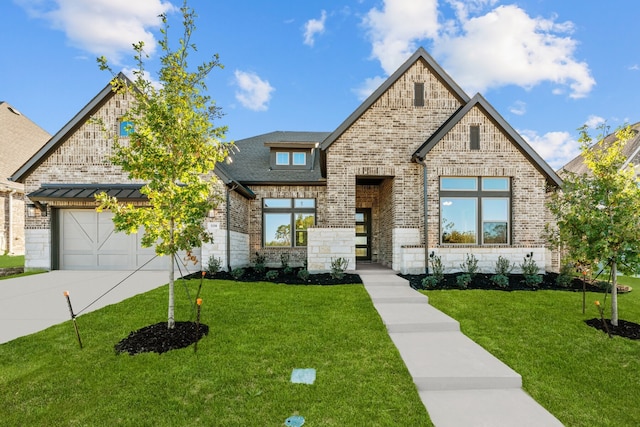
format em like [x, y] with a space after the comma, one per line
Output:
[475, 210]
[285, 221]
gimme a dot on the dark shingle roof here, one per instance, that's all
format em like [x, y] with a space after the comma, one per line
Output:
[631, 151]
[20, 138]
[249, 162]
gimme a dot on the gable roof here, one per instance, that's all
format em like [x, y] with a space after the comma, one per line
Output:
[20, 138]
[420, 54]
[500, 122]
[249, 162]
[631, 151]
[61, 136]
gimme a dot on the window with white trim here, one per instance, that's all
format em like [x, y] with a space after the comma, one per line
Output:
[475, 210]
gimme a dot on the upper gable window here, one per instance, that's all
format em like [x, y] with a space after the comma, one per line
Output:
[291, 155]
[299, 158]
[474, 143]
[418, 94]
[126, 128]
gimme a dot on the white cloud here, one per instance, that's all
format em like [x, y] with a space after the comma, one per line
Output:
[519, 108]
[396, 28]
[130, 73]
[103, 27]
[314, 27]
[253, 92]
[594, 121]
[634, 67]
[368, 87]
[557, 148]
[482, 46]
[508, 47]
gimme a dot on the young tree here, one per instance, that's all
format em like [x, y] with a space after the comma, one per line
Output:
[597, 214]
[173, 146]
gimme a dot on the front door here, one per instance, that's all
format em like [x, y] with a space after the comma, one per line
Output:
[363, 234]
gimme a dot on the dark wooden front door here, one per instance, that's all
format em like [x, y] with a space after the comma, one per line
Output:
[363, 234]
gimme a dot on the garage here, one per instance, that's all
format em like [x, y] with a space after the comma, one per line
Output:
[87, 241]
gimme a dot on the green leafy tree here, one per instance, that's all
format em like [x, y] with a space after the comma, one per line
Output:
[598, 214]
[173, 146]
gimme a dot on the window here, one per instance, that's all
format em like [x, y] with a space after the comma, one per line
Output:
[299, 158]
[469, 205]
[474, 143]
[285, 221]
[290, 159]
[126, 128]
[282, 158]
[418, 91]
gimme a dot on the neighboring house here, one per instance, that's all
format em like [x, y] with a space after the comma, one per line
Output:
[20, 138]
[419, 167]
[631, 151]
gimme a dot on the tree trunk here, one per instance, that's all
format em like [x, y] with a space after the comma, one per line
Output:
[171, 322]
[614, 293]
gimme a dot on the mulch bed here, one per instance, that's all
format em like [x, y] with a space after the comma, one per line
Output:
[624, 329]
[159, 338]
[252, 275]
[516, 283]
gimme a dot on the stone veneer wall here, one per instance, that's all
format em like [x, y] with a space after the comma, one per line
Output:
[327, 244]
[12, 213]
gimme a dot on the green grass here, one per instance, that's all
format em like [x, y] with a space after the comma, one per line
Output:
[579, 374]
[9, 261]
[240, 374]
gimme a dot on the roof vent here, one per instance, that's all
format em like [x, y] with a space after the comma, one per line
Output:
[14, 111]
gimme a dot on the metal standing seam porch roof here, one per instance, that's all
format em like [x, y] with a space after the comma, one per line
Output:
[87, 192]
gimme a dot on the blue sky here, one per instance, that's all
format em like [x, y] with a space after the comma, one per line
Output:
[547, 66]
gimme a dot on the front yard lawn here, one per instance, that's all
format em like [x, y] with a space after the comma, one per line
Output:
[240, 374]
[577, 372]
[10, 261]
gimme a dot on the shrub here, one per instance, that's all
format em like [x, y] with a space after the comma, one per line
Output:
[530, 271]
[214, 265]
[272, 274]
[437, 269]
[430, 282]
[303, 274]
[463, 280]
[237, 273]
[338, 267]
[260, 266]
[502, 270]
[500, 280]
[288, 270]
[470, 265]
[565, 277]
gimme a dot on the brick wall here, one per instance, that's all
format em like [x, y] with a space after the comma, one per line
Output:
[297, 256]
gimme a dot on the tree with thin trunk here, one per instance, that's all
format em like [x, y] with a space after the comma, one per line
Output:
[598, 213]
[172, 146]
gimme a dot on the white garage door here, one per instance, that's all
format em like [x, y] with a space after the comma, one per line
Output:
[88, 241]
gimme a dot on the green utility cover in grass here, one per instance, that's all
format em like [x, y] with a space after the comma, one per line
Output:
[303, 376]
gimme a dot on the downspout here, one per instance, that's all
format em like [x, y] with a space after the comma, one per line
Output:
[426, 218]
[10, 228]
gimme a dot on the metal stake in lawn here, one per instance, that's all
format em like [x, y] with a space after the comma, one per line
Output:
[195, 345]
[73, 317]
[606, 328]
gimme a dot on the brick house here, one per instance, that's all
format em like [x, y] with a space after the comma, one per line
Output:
[20, 138]
[419, 167]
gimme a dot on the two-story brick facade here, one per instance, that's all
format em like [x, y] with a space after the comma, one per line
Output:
[418, 168]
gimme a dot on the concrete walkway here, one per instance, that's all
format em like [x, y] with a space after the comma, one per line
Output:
[460, 383]
[32, 303]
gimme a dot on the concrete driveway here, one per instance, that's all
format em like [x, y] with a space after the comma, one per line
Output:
[33, 303]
